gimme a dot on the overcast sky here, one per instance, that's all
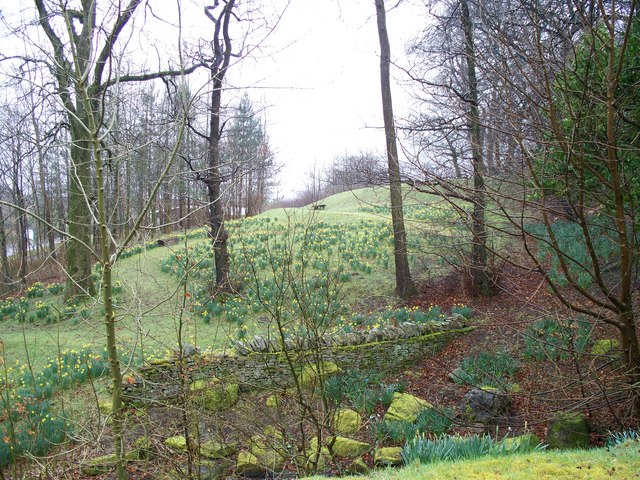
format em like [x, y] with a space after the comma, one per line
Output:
[322, 84]
[317, 72]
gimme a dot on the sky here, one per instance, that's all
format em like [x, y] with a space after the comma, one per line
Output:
[316, 74]
[327, 97]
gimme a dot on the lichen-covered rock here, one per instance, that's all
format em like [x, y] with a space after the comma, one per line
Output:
[220, 397]
[485, 404]
[178, 443]
[406, 407]
[269, 450]
[347, 421]
[249, 465]
[214, 449]
[568, 430]
[358, 467]
[522, 443]
[388, 457]
[347, 447]
[311, 374]
[103, 464]
[604, 346]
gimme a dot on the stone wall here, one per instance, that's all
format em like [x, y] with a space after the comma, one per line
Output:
[271, 370]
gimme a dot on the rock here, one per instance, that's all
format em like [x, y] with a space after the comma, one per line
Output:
[214, 449]
[347, 421]
[568, 430]
[249, 465]
[522, 443]
[604, 346]
[103, 464]
[358, 467]
[189, 350]
[388, 457]
[273, 401]
[485, 404]
[406, 407]
[309, 376]
[143, 447]
[318, 462]
[220, 397]
[210, 470]
[268, 452]
[178, 443]
[347, 447]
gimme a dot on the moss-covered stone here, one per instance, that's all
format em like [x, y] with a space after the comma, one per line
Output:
[219, 397]
[213, 449]
[178, 443]
[358, 467]
[388, 457]
[347, 447]
[104, 464]
[273, 401]
[143, 447]
[604, 346]
[269, 451]
[311, 374]
[347, 421]
[522, 443]
[249, 465]
[568, 430]
[406, 407]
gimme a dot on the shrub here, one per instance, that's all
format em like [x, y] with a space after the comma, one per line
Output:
[460, 309]
[431, 422]
[550, 339]
[487, 370]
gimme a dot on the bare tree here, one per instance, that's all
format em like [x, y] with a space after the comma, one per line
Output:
[405, 286]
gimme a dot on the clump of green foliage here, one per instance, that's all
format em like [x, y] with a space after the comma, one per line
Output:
[486, 369]
[361, 390]
[550, 339]
[432, 422]
[453, 448]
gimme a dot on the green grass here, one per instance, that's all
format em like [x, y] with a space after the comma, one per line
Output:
[622, 462]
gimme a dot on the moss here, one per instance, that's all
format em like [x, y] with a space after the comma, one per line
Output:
[268, 451]
[602, 347]
[388, 456]
[347, 421]
[405, 407]
[214, 449]
[310, 374]
[178, 443]
[162, 362]
[249, 465]
[105, 406]
[358, 466]
[568, 430]
[103, 464]
[526, 442]
[273, 401]
[219, 397]
[347, 447]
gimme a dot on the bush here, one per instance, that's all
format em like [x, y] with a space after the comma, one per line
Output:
[486, 369]
[550, 339]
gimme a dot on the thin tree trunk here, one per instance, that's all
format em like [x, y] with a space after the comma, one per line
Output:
[7, 281]
[481, 276]
[405, 287]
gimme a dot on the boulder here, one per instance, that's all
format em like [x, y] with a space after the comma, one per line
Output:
[249, 465]
[605, 346]
[273, 401]
[347, 421]
[388, 457]
[405, 407]
[268, 451]
[178, 443]
[347, 447]
[214, 449]
[485, 404]
[568, 430]
[311, 373]
[103, 464]
[358, 467]
[219, 397]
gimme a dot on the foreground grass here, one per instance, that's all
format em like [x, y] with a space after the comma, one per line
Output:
[621, 462]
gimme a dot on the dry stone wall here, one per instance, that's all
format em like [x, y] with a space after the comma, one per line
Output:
[260, 364]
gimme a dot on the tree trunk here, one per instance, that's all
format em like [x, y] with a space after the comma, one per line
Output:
[405, 287]
[481, 276]
[5, 272]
